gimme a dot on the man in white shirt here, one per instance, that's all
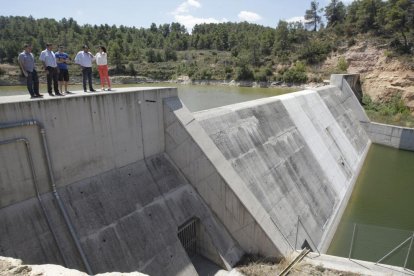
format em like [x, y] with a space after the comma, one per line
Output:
[49, 64]
[84, 58]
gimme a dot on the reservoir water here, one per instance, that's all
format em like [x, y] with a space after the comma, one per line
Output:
[195, 97]
[380, 213]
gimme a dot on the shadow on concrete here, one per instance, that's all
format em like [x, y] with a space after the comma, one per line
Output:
[407, 139]
[205, 267]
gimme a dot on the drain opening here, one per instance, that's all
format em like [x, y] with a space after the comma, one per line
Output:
[306, 245]
[187, 234]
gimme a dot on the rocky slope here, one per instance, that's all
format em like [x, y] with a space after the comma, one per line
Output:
[381, 76]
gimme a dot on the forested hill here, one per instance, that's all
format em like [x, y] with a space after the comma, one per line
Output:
[239, 51]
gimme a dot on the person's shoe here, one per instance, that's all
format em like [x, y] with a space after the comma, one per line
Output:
[92, 90]
[39, 96]
[68, 92]
[59, 94]
[109, 89]
[33, 97]
[51, 94]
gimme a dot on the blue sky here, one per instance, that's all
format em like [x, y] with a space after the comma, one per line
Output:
[143, 13]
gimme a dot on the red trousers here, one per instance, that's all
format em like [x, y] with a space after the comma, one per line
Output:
[103, 75]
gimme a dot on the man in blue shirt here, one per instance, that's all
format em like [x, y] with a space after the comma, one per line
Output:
[28, 66]
[62, 60]
[49, 63]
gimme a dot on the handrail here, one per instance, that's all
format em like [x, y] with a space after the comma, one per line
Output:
[62, 207]
[395, 249]
[409, 251]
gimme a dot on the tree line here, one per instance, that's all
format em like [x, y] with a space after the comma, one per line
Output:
[254, 51]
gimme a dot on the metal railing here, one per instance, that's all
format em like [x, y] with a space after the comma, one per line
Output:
[382, 245]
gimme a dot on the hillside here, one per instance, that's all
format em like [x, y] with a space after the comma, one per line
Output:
[374, 38]
[382, 75]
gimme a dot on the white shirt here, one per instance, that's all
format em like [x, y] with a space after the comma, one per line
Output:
[101, 58]
[84, 59]
[48, 58]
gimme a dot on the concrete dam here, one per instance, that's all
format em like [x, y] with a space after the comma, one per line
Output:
[133, 181]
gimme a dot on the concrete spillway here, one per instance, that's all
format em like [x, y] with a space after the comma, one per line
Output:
[132, 181]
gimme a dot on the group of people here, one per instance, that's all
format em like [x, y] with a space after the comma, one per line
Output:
[56, 68]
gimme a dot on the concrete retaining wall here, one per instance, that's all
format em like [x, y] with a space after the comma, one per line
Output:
[391, 136]
[87, 135]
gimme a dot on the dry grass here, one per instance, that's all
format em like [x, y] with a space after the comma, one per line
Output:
[262, 267]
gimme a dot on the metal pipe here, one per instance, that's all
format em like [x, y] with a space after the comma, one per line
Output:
[392, 251]
[352, 242]
[39, 198]
[409, 250]
[297, 231]
[55, 192]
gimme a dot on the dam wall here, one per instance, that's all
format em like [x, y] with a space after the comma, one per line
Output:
[131, 180]
[298, 154]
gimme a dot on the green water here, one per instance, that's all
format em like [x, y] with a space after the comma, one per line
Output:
[195, 97]
[382, 206]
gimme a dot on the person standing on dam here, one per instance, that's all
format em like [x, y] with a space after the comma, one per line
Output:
[84, 58]
[102, 62]
[50, 65]
[28, 66]
[62, 60]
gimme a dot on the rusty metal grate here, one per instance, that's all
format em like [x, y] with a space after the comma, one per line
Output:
[187, 234]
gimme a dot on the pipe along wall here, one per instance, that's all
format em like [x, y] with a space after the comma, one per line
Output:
[105, 182]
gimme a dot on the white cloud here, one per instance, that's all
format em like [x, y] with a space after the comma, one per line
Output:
[296, 19]
[189, 21]
[185, 6]
[249, 16]
[182, 15]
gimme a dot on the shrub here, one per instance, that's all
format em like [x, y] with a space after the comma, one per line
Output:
[295, 74]
[244, 73]
[342, 65]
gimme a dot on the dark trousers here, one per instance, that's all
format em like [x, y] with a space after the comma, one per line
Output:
[87, 74]
[52, 75]
[33, 83]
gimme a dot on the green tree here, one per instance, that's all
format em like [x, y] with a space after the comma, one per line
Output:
[131, 69]
[312, 17]
[335, 13]
[282, 43]
[399, 19]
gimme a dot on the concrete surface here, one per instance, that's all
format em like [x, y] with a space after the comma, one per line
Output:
[297, 156]
[354, 266]
[124, 196]
[199, 159]
[391, 136]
